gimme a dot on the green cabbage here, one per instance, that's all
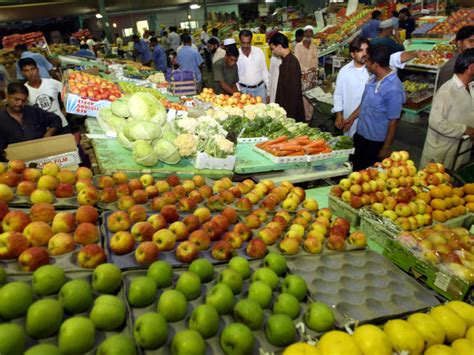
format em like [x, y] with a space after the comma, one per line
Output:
[124, 142]
[120, 107]
[144, 154]
[144, 106]
[166, 151]
[114, 122]
[135, 130]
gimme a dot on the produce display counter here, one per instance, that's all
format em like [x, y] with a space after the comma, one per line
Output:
[111, 157]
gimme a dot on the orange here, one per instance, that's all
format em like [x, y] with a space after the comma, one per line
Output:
[469, 189]
[448, 214]
[438, 204]
[425, 196]
[454, 212]
[470, 206]
[458, 191]
[469, 198]
[439, 216]
[449, 202]
[448, 190]
[461, 210]
[437, 192]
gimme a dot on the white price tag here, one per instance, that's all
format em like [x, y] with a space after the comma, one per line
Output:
[442, 281]
[337, 62]
[171, 115]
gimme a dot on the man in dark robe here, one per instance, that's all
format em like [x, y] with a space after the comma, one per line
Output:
[289, 94]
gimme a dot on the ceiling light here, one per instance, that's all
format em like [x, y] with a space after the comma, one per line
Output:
[194, 6]
[98, 15]
[189, 17]
[114, 25]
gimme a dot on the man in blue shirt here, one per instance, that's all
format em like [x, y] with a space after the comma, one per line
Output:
[190, 59]
[141, 50]
[384, 38]
[45, 67]
[84, 52]
[379, 111]
[159, 55]
[371, 28]
[406, 22]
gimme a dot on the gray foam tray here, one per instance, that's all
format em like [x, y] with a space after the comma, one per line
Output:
[361, 286]
[125, 329]
[213, 345]
[128, 260]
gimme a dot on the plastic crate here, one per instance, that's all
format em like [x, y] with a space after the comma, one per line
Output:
[342, 209]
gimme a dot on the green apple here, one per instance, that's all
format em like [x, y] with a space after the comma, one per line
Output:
[117, 344]
[233, 279]
[76, 335]
[319, 317]
[44, 318]
[108, 312]
[76, 296]
[15, 298]
[261, 293]
[188, 342]
[48, 280]
[43, 349]
[12, 339]
[189, 284]
[280, 330]
[106, 278]
[205, 320]
[221, 298]
[295, 285]
[241, 265]
[266, 275]
[249, 312]
[203, 268]
[172, 305]
[3, 275]
[237, 339]
[162, 273]
[150, 330]
[276, 262]
[287, 304]
[142, 292]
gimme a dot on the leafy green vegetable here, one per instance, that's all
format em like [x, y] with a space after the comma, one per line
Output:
[166, 151]
[146, 107]
[144, 154]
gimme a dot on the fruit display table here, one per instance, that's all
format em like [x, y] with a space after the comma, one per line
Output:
[111, 157]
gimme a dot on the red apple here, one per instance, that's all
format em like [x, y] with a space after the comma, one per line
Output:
[15, 221]
[105, 181]
[191, 222]
[120, 177]
[214, 230]
[256, 248]
[86, 233]
[64, 190]
[164, 239]
[66, 176]
[312, 245]
[10, 178]
[90, 256]
[243, 204]
[17, 166]
[122, 190]
[243, 230]
[118, 221]
[169, 197]
[234, 239]
[42, 211]
[227, 196]
[25, 188]
[200, 238]
[215, 203]
[289, 245]
[222, 250]
[179, 191]
[179, 229]
[122, 243]
[108, 195]
[125, 202]
[205, 191]
[135, 184]
[61, 243]
[32, 258]
[186, 204]
[170, 213]
[38, 233]
[204, 214]
[87, 214]
[231, 214]
[84, 173]
[196, 196]
[140, 196]
[12, 244]
[186, 252]
[31, 174]
[157, 203]
[173, 180]
[89, 195]
[336, 242]
[222, 221]
[137, 213]
[157, 221]
[4, 210]
[152, 191]
[146, 253]
[142, 231]
[252, 221]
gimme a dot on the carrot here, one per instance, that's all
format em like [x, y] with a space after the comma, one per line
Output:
[281, 153]
[296, 154]
[314, 144]
[293, 147]
[273, 141]
[327, 150]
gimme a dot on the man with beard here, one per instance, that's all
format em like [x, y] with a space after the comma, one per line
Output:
[214, 48]
[307, 54]
[289, 94]
[379, 110]
[353, 77]
[21, 122]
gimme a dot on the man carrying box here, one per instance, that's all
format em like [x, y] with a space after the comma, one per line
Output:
[21, 122]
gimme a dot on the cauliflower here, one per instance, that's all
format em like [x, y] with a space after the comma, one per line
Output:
[186, 144]
[186, 125]
[224, 144]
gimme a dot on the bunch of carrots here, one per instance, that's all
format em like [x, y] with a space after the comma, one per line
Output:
[298, 146]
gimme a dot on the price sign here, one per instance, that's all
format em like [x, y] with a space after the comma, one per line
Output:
[351, 6]
[318, 15]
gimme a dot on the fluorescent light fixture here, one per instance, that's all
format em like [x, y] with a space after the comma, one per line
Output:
[189, 17]
[97, 15]
[114, 25]
[194, 6]
[269, 1]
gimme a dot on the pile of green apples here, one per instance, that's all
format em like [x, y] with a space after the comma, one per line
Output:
[240, 307]
[71, 312]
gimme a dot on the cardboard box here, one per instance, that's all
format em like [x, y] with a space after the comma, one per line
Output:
[84, 107]
[61, 150]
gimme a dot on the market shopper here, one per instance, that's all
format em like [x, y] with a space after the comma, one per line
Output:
[253, 72]
[173, 38]
[159, 56]
[406, 22]
[225, 73]
[21, 122]
[141, 50]
[119, 44]
[371, 28]
[164, 41]
[385, 37]
[274, 74]
[189, 58]
[452, 116]
[379, 111]
[84, 52]
[215, 33]
[464, 40]
[215, 49]
[46, 69]
[288, 94]
[299, 34]
[44, 93]
[204, 35]
[307, 54]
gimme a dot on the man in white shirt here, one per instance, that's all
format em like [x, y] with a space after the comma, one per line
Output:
[452, 116]
[173, 38]
[253, 71]
[204, 35]
[351, 81]
[214, 48]
[43, 92]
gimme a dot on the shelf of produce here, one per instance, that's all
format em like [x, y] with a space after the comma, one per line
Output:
[111, 157]
[249, 161]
